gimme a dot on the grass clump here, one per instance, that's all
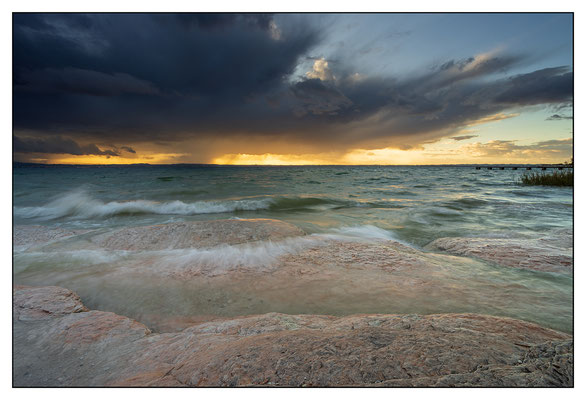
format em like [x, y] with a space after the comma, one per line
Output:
[556, 178]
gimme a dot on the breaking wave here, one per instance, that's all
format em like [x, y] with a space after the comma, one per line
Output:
[80, 204]
[262, 255]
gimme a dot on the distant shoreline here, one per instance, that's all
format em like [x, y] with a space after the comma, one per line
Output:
[23, 164]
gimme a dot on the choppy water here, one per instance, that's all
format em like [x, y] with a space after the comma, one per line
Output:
[413, 205]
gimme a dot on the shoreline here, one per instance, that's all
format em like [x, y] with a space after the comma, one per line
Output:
[95, 348]
[241, 270]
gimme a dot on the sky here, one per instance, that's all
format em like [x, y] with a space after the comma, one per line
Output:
[292, 88]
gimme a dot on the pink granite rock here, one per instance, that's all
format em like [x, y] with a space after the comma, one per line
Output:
[94, 348]
[534, 254]
[31, 303]
[196, 234]
[170, 276]
[27, 236]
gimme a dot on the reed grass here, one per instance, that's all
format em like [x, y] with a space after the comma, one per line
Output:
[556, 178]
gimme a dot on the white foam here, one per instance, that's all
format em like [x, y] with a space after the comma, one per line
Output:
[365, 231]
[258, 256]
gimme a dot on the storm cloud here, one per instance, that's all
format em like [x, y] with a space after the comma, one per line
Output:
[81, 81]
[139, 78]
[558, 117]
[58, 145]
[463, 137]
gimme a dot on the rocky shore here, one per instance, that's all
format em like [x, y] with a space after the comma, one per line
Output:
[545, 254]
[234, 272]
[59, 342]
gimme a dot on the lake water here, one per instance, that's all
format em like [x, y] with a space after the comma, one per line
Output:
[412, 205]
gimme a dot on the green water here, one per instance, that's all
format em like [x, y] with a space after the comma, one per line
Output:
[413, 205]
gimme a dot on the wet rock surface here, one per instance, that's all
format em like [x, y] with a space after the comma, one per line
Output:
[218, 271]
[171, 276]
[196, 234]
[534, 254]
[298, 257]
[58, 342]
[29, 236]
[44, 302]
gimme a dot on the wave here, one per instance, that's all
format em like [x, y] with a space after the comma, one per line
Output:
[433, 214]
[167, 178]
[306, 203]
[364, 232]
[263, 255]
[80, 204]
[465, 203]
[186, 192]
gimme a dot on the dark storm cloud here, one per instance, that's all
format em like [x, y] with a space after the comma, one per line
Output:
[82, 81]
[557, 117]
[128, 149]
[57, 145]
[318, 98]
[237, 60]
[549, 85]
[459, 70]
[218, 21]
[132, 78]
[200, 75]
[463, 137]
[437, 103]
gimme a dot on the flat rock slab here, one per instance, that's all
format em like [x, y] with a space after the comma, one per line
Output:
[95, 348]
[196, 234]
[300, 257]
[533, 254]
[170, 276]
[27, 236]
[32, 303]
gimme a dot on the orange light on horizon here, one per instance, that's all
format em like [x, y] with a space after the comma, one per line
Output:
[445, 151]
[433, 154]
[353, 157]
[269, 159]
[156, 158]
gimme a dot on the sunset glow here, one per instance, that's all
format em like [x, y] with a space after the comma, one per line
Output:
[290, 89]
[226, 199]
[473, 153]
[109, 160]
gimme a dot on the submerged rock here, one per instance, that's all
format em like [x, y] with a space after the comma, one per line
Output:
[533, 254]
[225, 268]
[300, 257]
[70, 346]
[28, 236]
[30, 303]
[196, 234]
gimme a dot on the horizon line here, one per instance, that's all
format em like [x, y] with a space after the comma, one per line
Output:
[289, 165]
